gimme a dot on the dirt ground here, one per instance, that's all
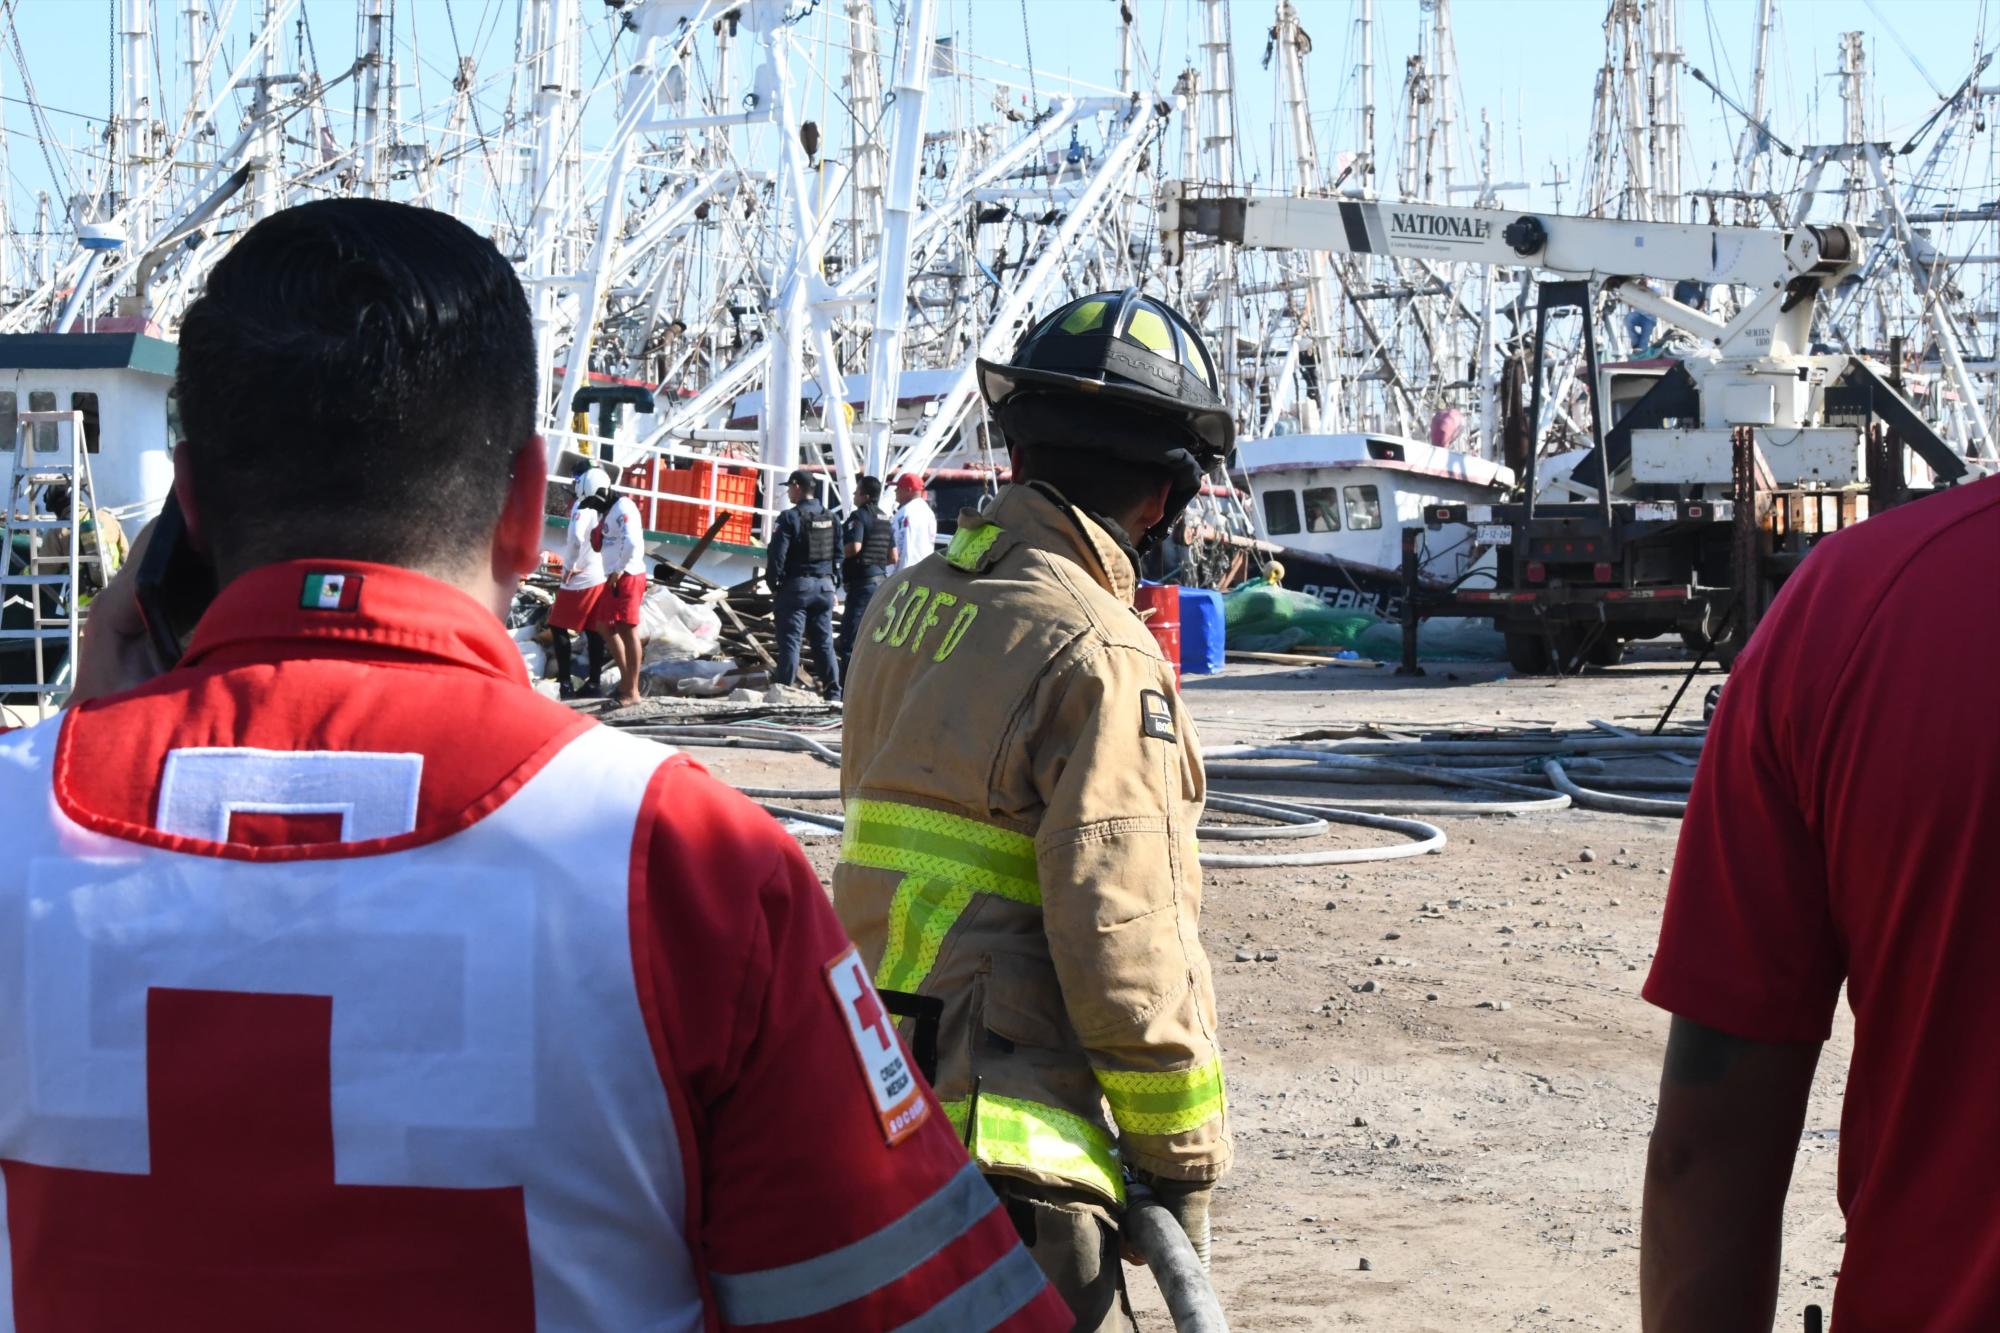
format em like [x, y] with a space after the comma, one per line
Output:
[1409, 1158]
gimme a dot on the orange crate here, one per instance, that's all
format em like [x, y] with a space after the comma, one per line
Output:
[691, 517]
[641, 477]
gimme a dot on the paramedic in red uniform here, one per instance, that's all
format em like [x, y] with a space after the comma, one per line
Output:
[1842, 829]
[349, 984]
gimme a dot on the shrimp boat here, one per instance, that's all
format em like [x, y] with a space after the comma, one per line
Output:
[1338, 505]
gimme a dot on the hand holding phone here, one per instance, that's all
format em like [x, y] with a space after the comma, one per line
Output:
[116, 653]
[175, 585]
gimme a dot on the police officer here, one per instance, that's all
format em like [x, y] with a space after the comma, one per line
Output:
[870, 552]
[1022, 788]
[804, 545]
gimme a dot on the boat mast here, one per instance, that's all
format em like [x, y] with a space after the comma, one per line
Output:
[6, 229]
[43, 273]
[549, 26]
[1447, 365]
[1489, 334]
[1665, 109]
[1292, 44]
[268, 149]
[1445, 97]
[1218, 96]
[1751, 149]
[1365, 113]
[1416, 96]
[135, 104]
[194, 14]
[1187, 98]
[864, 101]
[1853, 96]
[455, 138]
[1125, 22]
[1630, 30]
[892, 287]
[370, 184]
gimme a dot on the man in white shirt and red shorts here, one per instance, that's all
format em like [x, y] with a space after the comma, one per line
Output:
[622, 539]
[583, 580]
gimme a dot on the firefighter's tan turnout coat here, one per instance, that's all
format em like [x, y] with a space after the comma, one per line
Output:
[1022, 788]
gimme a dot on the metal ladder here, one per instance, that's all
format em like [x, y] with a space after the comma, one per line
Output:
[43, 562]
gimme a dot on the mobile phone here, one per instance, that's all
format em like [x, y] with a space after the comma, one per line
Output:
[175, 585]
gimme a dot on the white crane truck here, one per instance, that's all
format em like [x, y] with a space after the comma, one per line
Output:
[1710, 487]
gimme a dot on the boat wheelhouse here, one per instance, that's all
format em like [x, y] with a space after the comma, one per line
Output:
[1339, 505]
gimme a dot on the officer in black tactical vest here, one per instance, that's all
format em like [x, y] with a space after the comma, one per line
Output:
[870, 545]
[805, 543]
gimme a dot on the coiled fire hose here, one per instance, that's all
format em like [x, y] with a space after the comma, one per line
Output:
[1528, 773]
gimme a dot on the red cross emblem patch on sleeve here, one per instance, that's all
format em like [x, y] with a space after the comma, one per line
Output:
[899, 1097]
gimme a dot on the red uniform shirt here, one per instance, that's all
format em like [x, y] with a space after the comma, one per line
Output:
[791, 1199]
[1842, 827]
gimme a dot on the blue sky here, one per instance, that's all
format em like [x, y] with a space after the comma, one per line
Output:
[1528, 63]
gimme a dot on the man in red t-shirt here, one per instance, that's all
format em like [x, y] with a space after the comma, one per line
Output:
[352, 985]
[1841, 830]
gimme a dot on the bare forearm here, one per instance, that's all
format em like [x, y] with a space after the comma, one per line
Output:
[1711, 1245]
[1716, 1175]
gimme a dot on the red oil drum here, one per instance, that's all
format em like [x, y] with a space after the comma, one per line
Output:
[1164, 601]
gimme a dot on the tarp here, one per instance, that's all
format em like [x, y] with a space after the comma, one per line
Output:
[1264, 618]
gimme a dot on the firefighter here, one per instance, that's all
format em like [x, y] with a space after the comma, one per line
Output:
[805, 543]
[871, 553]
[1022, 788]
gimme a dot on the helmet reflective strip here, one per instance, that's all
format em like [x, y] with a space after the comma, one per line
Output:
[1192, 358]
[1150, 331]
[1088, 316]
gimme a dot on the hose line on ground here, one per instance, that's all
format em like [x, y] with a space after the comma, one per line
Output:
[1597, 800]
[1427, 837]
[1293, 822]
[1512, 775]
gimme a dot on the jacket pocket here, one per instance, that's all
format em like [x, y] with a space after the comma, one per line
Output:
[1024, 1005]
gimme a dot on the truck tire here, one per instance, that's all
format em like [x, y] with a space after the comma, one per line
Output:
[1723, 654]
[1528, 653]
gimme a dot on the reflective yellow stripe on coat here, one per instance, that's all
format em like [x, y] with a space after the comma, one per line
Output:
[1164, 1101]
[1013, 1131]
[944, 859]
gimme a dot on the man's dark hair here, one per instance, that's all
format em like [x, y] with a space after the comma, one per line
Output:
[869, 489]
[1062, 443]
[354, 383]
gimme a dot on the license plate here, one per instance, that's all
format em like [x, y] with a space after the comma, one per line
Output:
[1655, 511]
[1495, 534]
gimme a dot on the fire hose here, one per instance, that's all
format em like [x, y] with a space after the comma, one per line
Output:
[1530, 773]
[1153, 1233]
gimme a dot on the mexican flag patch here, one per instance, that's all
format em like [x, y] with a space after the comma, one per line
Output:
[331, 592]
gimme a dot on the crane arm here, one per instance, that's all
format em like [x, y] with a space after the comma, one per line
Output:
[1594, 248]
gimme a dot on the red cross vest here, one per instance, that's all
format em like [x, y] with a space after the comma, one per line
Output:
[345, 984]
[483, 1081]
